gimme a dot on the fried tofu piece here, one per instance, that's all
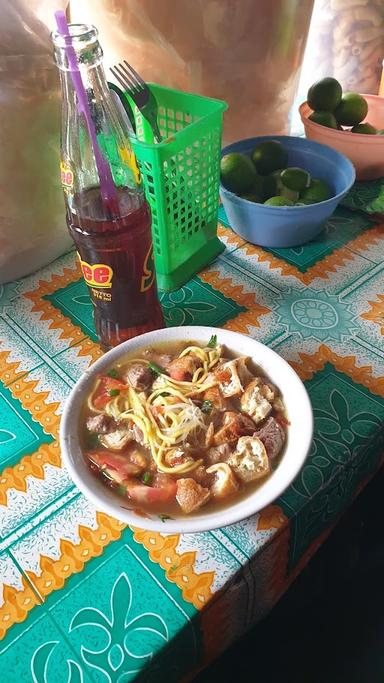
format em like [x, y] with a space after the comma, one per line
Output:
[254, 401]
[190, 495]
[234, 425]
[233, 376]
[225, 483]
[250, 460]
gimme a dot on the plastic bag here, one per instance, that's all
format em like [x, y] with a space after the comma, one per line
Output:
[247, 53]
[32, 217]
[346, 40]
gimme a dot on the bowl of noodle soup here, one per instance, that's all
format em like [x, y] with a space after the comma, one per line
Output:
[186, 429]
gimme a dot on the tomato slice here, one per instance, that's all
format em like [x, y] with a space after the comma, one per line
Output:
[114, 461]
[162, 490]
[105, 386]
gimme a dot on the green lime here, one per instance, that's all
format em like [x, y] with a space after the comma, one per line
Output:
[295, 178]
[318, 191]
[268, 156]
[352, 109]
[324, 118]
[270, 186]
[252, 197]
[365, 128]
[278, 201]
[285, 192]
[258, 185]
[325, 95]
[237, 172]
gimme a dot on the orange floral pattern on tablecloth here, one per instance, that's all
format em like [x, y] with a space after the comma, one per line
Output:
[30, 465]
[37, 404]
[376, 312]
[73, 556]
[271, 517]
[17, 604]
[179, 569]
[9, 369]
[324, 267]
[236, 293]
[47, 311]
[311, 363]
[231, 237]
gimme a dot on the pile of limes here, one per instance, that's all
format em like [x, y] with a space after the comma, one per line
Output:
[333, 109]
[265, 177]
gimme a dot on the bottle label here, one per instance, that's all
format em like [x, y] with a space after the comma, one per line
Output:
[130, 159]
[148, 278]
[66, 174]
[98, 275]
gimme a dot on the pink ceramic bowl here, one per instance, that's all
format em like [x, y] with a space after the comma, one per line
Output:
[365, 151]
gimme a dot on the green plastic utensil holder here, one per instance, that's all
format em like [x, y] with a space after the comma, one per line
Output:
[181, 179]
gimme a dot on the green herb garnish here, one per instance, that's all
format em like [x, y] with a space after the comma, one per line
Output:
[121, 489]
[173, 568]
[93, 441]
[113, 392]
[107, 476]
[146, 478]
[212, 342]
[113, 373]
[206, 406]
[156, 368]
[164, 517]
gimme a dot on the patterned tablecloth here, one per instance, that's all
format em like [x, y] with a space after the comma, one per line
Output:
[83, 597]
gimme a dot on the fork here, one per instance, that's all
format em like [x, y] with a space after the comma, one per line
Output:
[140, 93]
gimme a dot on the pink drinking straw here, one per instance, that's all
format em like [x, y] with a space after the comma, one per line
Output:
[107, 187]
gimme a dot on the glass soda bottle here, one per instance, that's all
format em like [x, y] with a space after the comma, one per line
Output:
[113, 242]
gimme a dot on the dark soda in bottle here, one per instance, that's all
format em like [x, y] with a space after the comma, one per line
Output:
[113, 241]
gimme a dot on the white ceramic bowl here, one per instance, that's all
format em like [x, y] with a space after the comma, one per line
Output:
[299, 439]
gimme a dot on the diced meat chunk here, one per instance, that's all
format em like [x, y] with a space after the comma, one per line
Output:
[254, 402]
[100, 424]
[191, 495]
[234, 426]
[139, 377]
[273, 437]
[161, 359]
[118, 439]
[184, 368]
[225, 483]
[219, 453]
[250, 460]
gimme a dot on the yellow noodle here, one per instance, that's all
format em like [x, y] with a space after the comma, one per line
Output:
[177, 420]
[90, 397]
[196, 350]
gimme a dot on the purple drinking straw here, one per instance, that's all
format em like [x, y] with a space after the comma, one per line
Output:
[107, 187]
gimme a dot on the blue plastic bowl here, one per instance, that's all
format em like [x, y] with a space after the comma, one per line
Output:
[289, 226]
